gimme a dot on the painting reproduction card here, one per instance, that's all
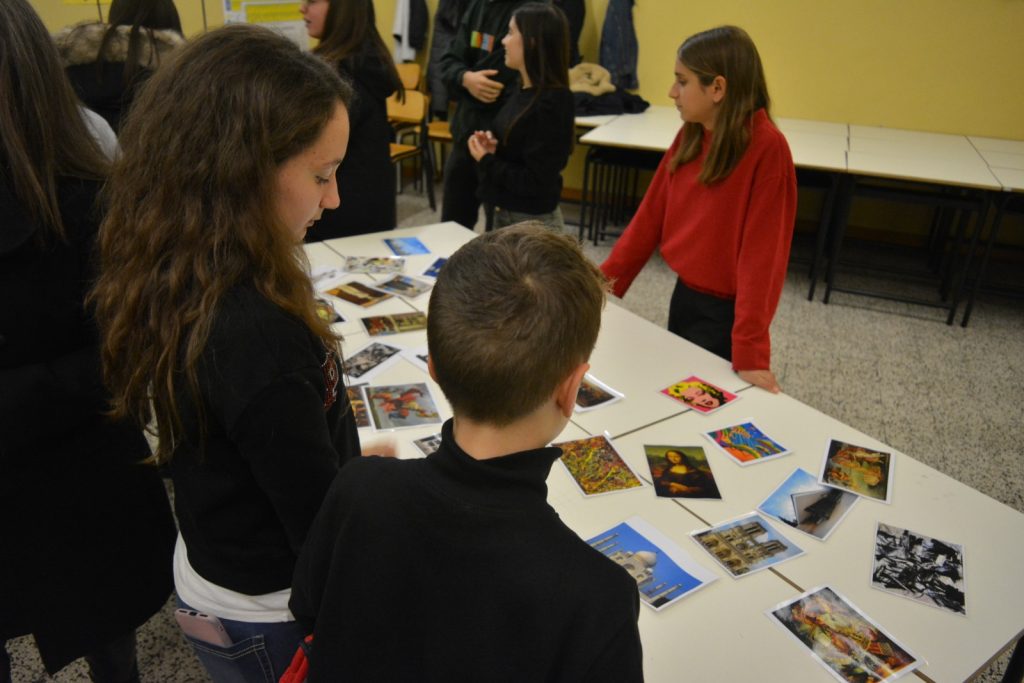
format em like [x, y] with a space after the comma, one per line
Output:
[370, 360]
[406, 246]
[358, 403]
[702, 396]
[747, 544]
[397, 406]
[843, 639]
[919, 567]
[428, 445]
[359, 294]
[403, 285]
[746, 443]
[863, 471]
[664, 572]
[681, 472]
[807, 506]
[435, 268]
[596, 466]
[594, 394]
[396, 323]
[374, 265]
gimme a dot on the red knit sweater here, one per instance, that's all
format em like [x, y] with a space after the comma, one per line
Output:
[730, 239]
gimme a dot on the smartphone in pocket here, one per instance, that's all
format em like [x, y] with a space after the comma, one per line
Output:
[203, 627]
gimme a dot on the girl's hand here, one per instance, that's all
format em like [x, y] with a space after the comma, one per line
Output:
[481, 144]
[761, 378]
[382, 447]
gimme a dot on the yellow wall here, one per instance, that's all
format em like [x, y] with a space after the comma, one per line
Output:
[939, 65]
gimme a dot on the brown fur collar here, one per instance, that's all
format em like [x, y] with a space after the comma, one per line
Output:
[81, 44]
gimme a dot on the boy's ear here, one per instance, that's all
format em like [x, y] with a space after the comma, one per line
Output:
[565, 393]
[430, 367]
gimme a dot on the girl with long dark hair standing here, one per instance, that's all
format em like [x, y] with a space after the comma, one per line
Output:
[521, 160]
[349, 41]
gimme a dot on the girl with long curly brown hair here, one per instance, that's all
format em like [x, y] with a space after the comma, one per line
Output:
[209, 323]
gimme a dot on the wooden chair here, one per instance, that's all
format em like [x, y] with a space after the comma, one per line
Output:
[409, 73]
[412, 115]
[439, 132]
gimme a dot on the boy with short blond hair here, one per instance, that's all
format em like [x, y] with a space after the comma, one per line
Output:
[454, 567]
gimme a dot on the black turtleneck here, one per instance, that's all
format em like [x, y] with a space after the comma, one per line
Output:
[455, 569]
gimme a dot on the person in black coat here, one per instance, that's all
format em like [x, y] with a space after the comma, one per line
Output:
[85, 523]
[108, 62]
[349, 40]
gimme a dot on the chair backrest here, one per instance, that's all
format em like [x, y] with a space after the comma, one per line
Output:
[409, 73]
[413, 110]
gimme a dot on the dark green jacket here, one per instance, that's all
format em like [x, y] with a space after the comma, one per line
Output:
[477, 46]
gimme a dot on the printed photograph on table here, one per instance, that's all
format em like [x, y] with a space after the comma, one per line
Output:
[746, 443]
[406, 246]
[681, 472]
[377, 325]
[806, 505]
[403, 285]
[428, 445]
[596, 467]
[327, 312]
[358, 403]
[396, 406]
[594, 394]
[746, 545]
[702, 396]
[435, 268]
[326, 277]
[664, 572]
[369, 360]
[374, 265]
[359, 294]
[842, 638]
[863, 471]
[919, 567]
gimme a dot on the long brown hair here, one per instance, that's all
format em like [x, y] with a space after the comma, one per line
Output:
[350, 32]
[192, 210]
[143, 16]
[545, 34]
[42, 132]
[729, 52]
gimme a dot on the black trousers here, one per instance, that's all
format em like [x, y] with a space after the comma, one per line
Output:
[460, 203]
[703, 319]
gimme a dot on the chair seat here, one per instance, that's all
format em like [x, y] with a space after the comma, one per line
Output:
[439, 131]
[400, 152]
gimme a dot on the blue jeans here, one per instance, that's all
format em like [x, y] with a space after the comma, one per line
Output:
[260, 653]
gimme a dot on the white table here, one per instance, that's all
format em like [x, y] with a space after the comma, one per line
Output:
[720, 633]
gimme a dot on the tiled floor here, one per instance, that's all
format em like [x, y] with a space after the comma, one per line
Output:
[951, 397]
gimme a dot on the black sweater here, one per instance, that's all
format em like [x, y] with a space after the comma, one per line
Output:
[453, 569]
[525, 174]
[278, 426]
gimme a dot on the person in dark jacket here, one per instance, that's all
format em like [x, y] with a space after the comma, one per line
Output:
[521, 161]
[446, 25]
[349, 41]
[455, 567]
[478, 80]
[209, 321]
[108, 62]
[84, 520]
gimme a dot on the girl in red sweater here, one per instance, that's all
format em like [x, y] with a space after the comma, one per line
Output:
[721, 206]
